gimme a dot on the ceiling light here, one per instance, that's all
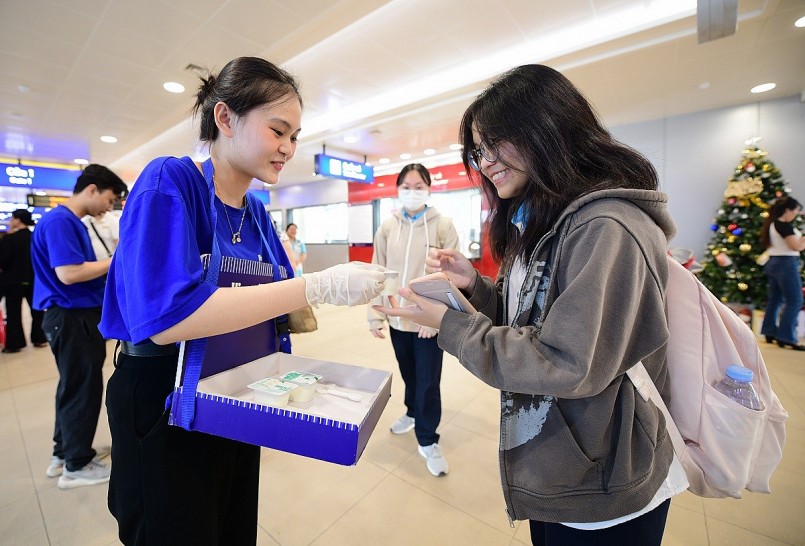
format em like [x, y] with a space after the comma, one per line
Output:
[383, 160]
[762, 88]
[704, 86]
[173, 87]
[23, 88]
[80, 161]
[381, 185]
[405, 156]
[429, 151]
[108, 139]
[799, 23]
[350, 139]
[455, 147]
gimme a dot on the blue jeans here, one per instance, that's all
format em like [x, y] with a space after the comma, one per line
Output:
[420, 363]
[785, 292]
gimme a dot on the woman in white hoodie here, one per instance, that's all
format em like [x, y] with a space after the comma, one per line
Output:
[402, 244]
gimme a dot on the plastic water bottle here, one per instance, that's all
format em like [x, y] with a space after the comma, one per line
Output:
[737, 385]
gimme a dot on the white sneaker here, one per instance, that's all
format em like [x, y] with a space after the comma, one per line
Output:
[437, 464]
[402, 425]
[93, 473]
[56, 466]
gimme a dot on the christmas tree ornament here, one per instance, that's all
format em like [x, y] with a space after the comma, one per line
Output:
[737, 232]
[714, 227]
[743, 287]
[723, 259]
[745, 248]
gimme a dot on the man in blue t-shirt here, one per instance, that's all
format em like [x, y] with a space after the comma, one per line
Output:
[69, 287]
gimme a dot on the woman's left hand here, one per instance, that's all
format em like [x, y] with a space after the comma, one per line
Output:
[424, 311]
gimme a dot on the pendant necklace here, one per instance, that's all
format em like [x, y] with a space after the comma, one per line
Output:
[235, 234]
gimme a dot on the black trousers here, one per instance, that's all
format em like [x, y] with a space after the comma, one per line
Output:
[645, 530]
[15, 337]
[420, 363]
[170, 486]
[80, 351]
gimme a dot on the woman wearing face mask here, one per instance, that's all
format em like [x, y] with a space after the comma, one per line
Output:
[401, 244]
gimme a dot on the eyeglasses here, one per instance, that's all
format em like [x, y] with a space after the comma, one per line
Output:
[488, 151]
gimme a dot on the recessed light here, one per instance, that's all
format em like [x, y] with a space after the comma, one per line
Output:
[173, 87]
[799, 23]
[381, 185]
[762, 88]
[23, 88]
[405, 156]
[108, 139]
[429, 151]
[80, 161]
[383, 160]
[704, 85]
[456, 147]
[350, 139]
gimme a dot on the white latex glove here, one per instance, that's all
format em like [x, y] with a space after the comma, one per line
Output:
[345, 284]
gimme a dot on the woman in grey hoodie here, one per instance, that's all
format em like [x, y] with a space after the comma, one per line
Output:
[581, 232]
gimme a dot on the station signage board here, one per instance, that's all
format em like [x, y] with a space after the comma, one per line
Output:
[346, 169]
[25, 176]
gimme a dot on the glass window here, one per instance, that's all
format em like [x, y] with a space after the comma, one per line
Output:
[321, 224]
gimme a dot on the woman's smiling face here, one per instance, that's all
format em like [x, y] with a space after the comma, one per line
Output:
[507, 173]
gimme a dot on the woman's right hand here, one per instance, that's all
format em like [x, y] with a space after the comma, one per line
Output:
[378, 333]
[454, 264]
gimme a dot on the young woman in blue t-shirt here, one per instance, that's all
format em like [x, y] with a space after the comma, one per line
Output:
[169, 485]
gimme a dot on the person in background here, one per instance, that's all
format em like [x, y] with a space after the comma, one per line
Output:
[784, 272]
[69, 287]
[401, 244]
[297, 247]
[170, 485]
[104, 232]
[582, 233]
[18, 283]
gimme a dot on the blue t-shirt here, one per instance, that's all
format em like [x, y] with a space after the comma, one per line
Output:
[60, 238]
[155, 280]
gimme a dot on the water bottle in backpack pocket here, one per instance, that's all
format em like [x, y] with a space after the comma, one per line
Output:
[737, 386]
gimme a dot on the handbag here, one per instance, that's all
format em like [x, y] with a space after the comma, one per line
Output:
[302, 320]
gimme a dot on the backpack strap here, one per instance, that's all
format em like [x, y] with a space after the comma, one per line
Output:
[648, 391]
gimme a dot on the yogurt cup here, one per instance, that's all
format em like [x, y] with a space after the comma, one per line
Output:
[392, 283]
[305, 385]
[273, 392]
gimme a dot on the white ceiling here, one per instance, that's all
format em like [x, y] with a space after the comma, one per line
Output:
[397, 74]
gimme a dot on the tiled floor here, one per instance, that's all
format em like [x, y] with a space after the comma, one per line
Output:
[388, 498]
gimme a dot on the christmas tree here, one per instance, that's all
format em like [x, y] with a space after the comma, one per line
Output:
[733, 269]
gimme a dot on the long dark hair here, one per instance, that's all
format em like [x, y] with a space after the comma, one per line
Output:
[243, 84]
[567, 153]
[778, 208]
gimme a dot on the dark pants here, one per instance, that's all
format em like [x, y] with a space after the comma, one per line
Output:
[80, 351]
[785, 298]
[646, 530]
[15, 337]
[420, 363]
[168, 485]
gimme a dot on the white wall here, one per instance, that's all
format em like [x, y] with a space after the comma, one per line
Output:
[696, 154]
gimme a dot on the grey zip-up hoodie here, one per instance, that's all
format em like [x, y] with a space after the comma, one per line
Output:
[401, 244]
[577, 443]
